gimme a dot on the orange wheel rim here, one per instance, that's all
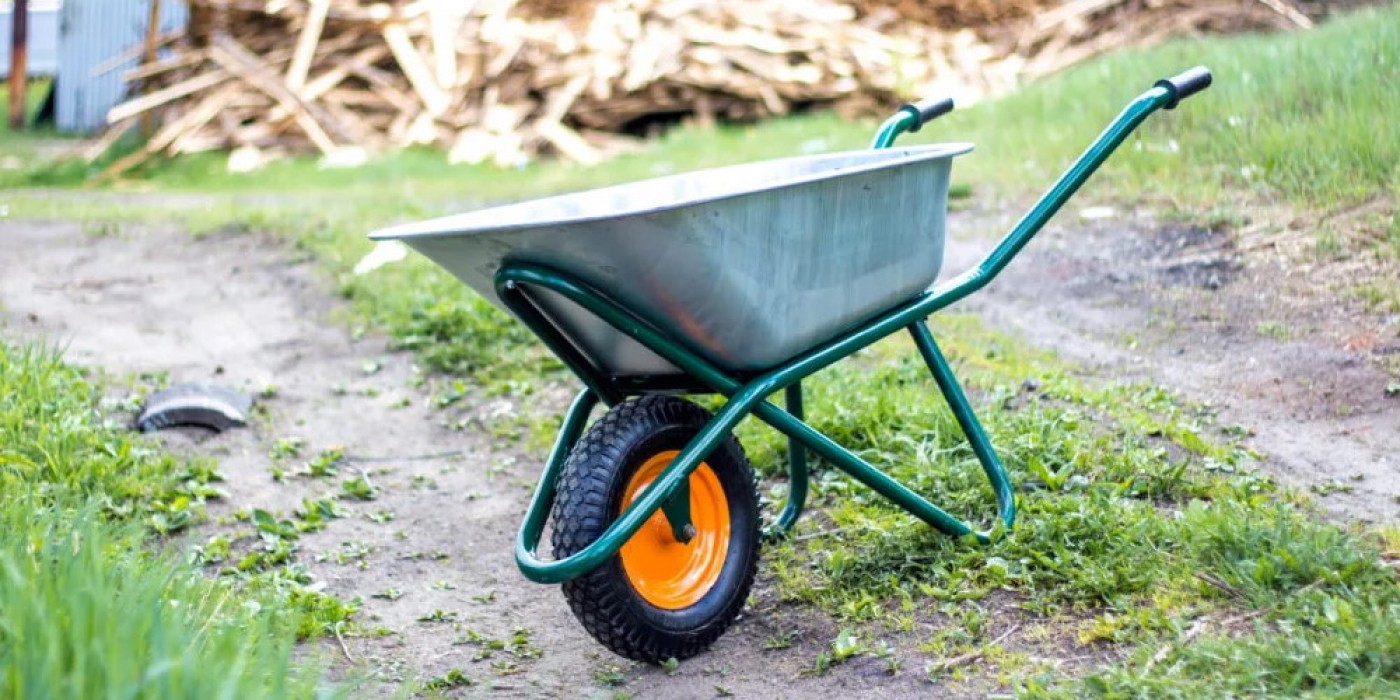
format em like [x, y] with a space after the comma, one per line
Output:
[665, 572]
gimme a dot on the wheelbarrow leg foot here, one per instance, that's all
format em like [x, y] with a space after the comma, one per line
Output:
[797, 472]
[967, 420]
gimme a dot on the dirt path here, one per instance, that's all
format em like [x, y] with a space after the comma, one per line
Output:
[1253, 333]
[241, 310]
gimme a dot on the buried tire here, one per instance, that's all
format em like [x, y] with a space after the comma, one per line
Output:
[657, 598]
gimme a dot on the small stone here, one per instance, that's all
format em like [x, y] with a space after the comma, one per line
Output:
[1097, 213]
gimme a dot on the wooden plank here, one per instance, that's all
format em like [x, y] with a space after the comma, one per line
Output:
[506, 49]
[313, 120]
[229, 125]
[201, 114]
[434, 98]
[357, 98]
[314, 24]
[1290, 12]
[109, 137]
[569, 143]
[323, 83]
[184, 59]
[381, 84]
[559, 101]
[775, 104]
[132, 52]
[202, 141]
[190, 121]
[362, 133]
[155, 99]
[443, 23]
[148, 57]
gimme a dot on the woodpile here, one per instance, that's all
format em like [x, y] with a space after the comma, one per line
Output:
[503, 81]
[1071, 32]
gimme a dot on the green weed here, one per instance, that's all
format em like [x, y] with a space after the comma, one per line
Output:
[1273, 329]
[454, 678]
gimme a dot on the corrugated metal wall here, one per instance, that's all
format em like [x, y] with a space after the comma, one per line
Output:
[92, 32]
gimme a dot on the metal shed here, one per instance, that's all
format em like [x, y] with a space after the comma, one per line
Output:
[92, 33]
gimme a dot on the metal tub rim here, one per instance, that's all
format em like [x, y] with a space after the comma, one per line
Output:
[479, 221]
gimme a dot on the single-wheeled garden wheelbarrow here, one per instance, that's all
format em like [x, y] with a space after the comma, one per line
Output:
[739, 281]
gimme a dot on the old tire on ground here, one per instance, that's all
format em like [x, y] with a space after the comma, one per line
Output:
[657, 598]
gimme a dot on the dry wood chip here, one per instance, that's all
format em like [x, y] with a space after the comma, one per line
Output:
[435, 99]
[313, 24]
[568, 142]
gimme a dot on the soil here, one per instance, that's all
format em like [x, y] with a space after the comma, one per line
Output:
[1128, 297]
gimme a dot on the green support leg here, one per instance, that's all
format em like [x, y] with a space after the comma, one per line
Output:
[543, 500]
[962, 411]
[797, 471]
[592, 377]
[862, 471]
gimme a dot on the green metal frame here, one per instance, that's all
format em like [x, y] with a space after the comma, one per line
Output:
[748, 395]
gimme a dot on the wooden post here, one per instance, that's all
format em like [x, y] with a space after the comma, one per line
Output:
[19, 47]
[148, 123]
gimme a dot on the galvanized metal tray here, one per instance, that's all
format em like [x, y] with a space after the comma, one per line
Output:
[749, 264]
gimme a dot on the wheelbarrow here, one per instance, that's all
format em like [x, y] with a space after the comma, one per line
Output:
[738, 281]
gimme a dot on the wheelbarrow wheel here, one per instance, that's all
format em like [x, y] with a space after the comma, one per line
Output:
[657, 598]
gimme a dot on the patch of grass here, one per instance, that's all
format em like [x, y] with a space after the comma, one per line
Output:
[25, 145]
[88, 601]
[84, 611]
[1263, 551]
[1295, 116]
[1381, 296]
[1273, 329]
[454, 678]
[1342, 640]
[57, 453]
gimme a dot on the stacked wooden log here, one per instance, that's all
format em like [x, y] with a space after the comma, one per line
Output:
[502, 81]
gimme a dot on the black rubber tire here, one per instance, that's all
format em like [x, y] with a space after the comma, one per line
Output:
[589, 494]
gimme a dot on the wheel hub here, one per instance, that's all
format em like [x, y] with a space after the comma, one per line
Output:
[668, 573]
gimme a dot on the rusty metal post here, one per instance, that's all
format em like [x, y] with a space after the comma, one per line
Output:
[19, 47]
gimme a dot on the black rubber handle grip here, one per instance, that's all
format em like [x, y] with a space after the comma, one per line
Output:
[927, 110]
[1185, 85]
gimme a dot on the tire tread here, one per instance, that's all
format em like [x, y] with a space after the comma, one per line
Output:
[583, 511]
